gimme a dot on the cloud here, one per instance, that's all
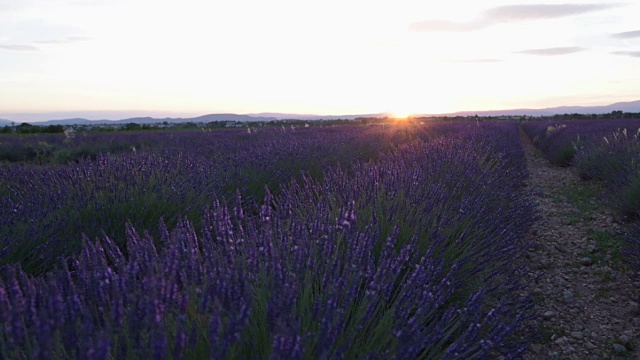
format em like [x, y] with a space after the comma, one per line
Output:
[552, 51]
[19, 48]
[627, 35]
[8, 5]
[67, 40]
[627, 53]
[541, 11]
[510, 13]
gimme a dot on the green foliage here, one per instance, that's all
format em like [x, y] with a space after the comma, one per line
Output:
[564, 155]
[602, 294]
[16, 154]
[132, 127]
[26, 128]
[60, 150]
[627, 200]
[610, 243]
[599, 164]
[583, 197]
[608, 251]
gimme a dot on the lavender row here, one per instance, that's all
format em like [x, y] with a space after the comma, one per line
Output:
[613, 161]
[607, 151]
[603, 158]
[71, 146]
[67, 146]
[410, 256]
[559, 141]
[48, 208]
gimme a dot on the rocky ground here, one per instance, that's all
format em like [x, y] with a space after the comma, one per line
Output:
[586, 300]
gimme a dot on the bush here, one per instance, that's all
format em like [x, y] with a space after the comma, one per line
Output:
[563, 155]
[610, 157]
[596, 162]
[627, 198]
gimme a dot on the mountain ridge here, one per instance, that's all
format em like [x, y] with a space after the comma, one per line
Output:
[629, 106]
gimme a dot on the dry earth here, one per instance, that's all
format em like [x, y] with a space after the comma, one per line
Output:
[585, 298]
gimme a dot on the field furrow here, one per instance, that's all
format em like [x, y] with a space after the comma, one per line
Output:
[585, 300]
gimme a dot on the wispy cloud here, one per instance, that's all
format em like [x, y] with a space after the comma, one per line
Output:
[552, 51]
[511, 13]
[627, 34]
[67, 40]
[6, 6]
[627, 53]
[541, 11]
[24, 48]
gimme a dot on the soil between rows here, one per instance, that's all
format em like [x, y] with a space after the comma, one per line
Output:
[585, 301]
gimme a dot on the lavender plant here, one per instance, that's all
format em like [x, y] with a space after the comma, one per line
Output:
[49, 208]
[410, 256]
[631, 250]
[560, 141]
[613, 160]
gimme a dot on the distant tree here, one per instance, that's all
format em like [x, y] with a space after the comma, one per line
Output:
[132, 126]
[25, 128]
[53, 129]
[189, 125]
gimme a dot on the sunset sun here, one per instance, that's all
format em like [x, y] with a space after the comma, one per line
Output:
[400, 114]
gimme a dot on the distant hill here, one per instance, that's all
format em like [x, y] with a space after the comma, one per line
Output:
[230, 117]
[203, 119]
[150, 120]
[283, 116]
[74, 121]
[632, 106]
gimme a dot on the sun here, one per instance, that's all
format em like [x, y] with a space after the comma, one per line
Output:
[400, 115]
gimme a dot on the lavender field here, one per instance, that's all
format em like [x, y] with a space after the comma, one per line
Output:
[380, 242]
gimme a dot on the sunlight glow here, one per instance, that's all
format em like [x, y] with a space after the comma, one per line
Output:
[400, 115]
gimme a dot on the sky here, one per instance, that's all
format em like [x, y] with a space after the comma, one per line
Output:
[119, 58]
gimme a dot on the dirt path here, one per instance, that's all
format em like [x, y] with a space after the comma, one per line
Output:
[586, 303]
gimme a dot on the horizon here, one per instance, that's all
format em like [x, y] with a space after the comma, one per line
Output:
[249, 57]
[124, 115]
